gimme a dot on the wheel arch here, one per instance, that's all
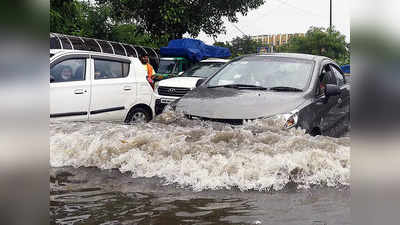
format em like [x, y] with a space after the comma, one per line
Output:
[142, 106]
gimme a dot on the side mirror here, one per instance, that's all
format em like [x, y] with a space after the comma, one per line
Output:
[199, 82]
[332, 90]
[180, 73]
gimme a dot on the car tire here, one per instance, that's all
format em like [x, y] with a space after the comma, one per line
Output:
[315, 132]
[139, 115]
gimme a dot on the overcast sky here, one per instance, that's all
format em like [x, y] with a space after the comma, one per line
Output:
[287, 16]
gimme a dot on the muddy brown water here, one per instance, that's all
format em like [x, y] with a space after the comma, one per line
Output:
[176, 171]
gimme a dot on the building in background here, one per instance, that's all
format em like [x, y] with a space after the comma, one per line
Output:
[269, 42]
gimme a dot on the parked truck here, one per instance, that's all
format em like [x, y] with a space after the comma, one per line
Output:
[181, 54]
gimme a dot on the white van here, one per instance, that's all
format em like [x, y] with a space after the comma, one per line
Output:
[169, 90]
[87, 85]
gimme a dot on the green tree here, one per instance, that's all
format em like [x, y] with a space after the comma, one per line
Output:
[64, 15]
[80, 18]
[173, 18]
[240, 46]
[320, 41]
[83, 19]
[130, 33]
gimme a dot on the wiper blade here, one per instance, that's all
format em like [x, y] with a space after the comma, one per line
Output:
[240, 86]
[283, 88]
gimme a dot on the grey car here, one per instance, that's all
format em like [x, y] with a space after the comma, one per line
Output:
[308, 91]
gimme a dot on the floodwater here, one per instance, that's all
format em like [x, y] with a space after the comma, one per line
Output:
[179, 171]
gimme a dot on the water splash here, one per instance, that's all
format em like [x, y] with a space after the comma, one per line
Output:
[259, 155]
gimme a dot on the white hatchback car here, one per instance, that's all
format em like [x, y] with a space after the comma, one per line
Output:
[171, 89]
[87, 85]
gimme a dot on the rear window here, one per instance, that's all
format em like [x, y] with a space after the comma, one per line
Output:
[108, 69]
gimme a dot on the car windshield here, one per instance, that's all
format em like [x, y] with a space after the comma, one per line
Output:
[203, 69]
[166, 66]
[265, 71]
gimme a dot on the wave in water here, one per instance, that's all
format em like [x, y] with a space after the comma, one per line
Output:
[259, 155]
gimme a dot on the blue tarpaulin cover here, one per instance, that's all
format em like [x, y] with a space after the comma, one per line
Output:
[193, 49]
[345, 68]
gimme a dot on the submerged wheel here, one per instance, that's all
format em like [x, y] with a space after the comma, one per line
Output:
[315, 131]
[139, 115]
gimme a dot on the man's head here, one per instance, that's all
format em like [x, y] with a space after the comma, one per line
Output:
[66, 73]
[144, 58]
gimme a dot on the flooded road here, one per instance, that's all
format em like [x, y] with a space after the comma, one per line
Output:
[179, 171]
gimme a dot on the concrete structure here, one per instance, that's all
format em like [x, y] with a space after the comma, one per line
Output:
[274, 40]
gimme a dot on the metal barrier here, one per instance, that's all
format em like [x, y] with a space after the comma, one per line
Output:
[62, 41]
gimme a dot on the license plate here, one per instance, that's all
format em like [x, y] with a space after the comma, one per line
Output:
[167, 100]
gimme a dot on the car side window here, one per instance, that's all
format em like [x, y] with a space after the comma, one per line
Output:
[109, 69]
[68, 70]
[327, 76]
[338, 76]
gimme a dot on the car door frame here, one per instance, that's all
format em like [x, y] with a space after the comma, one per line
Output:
[75, 115]
[342, 109]
[328, 105]
[127, 81]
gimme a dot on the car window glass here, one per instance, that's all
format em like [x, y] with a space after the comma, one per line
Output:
[265, 71]
[107, 69]
[68, 70]
[338, 75]
[166, 66]
[328, 76]
[203, 69]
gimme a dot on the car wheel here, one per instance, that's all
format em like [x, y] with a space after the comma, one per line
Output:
[315, 132]
[139, 115]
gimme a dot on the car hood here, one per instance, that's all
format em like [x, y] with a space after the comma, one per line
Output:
[184, 82]
[228, 103]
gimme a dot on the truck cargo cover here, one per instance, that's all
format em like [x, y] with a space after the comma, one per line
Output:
[193, 49]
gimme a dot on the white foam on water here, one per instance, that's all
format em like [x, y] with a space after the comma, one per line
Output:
[259, 155]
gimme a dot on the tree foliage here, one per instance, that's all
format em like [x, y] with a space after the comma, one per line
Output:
[173, 18]
[240, 46]
[83, 19]
[320, 41]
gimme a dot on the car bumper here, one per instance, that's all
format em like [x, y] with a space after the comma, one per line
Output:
[162, 101]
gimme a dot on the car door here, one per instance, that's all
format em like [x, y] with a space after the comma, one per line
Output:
[112, 88]
[70, 87]
[341, 111]
[330, 107]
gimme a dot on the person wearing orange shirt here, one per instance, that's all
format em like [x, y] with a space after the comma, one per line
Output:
[148, 68]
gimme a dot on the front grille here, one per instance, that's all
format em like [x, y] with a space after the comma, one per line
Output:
[172, 91]
[228, 121]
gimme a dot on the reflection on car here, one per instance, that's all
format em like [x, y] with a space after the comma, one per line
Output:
[307, 91]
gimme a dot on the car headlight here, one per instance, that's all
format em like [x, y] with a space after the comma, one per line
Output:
[289, 119]
[156, 87]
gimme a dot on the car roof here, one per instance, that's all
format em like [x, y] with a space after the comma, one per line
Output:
[172, 58]
[215, 60]
[292, 55]
[58, 51]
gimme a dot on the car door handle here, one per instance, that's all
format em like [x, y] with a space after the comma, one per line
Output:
[127, 88]
[79, 91]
